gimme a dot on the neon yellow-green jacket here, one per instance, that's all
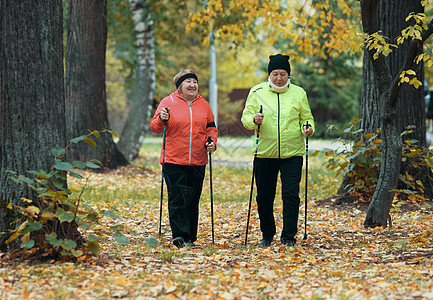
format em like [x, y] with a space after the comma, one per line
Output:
[281, 134]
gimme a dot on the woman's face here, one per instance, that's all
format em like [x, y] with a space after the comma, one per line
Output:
[279, 77]
[189, 88]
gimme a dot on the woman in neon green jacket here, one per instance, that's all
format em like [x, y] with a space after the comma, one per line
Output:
[283, 125]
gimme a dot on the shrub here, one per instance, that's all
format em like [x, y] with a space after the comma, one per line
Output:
[360, 160]
[50, 222]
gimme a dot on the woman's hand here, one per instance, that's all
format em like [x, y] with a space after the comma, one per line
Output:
[210, 146]
[258, 118]
[164, 115]
[308, 130]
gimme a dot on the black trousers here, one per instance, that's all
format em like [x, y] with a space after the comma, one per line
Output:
[266, 174]
[184, 185]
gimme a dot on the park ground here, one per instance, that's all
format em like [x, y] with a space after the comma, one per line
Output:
[339, 259]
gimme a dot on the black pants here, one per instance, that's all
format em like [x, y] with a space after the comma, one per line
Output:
[184, 185]
[266, 174]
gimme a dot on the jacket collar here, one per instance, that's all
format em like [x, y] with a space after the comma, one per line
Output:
[176, 93]
[278, 89]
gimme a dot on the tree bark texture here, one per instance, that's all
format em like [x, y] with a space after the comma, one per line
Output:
[411, 105]
[399, 105]
[137, 123]
[32, 101]
[380, 205]
[86, 104]
[391, 21]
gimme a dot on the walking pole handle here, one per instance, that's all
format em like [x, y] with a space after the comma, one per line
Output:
[258, 133]
[258, 129]
[168, 111]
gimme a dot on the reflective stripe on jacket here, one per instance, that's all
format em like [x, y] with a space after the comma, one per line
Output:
[188, 129]
[281, 133]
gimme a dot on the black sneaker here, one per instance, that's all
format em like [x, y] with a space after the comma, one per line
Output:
[179, 242]
[265, 243]
[189, 244]
[289, 243]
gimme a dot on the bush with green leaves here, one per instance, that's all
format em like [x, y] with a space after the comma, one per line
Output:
[360, 158]
[419, 158]
[57, 222]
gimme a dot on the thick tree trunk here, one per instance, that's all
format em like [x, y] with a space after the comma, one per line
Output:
[32, 101]
[411, 100]
[137, 123]
[396, 108]
[86, 104]
[391, 20]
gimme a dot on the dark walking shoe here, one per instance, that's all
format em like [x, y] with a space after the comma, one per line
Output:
[189, 244]
[265, 243]
[179, 242]
[289, 243]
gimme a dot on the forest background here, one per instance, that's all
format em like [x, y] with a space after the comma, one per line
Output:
[332, 82]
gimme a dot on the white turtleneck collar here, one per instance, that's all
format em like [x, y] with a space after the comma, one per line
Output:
[279, 89]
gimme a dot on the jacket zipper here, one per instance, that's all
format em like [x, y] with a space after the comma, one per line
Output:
[190, 133]
[279, 156]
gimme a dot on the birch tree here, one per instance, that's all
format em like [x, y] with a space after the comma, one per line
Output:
[137, 123]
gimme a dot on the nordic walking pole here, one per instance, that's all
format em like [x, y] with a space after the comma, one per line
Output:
[252, 180]
[164, 134]
[209, 140]
[306, 182]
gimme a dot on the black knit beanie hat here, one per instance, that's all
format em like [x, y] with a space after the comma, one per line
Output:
[279, 61]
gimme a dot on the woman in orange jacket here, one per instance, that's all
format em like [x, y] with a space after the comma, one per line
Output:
[189, 123]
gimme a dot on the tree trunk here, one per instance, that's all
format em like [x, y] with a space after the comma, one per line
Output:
[137, 123]
[86, 104]
[32, 101]
[395, 100]
[392, 15]
[411, 102]
[380, 205]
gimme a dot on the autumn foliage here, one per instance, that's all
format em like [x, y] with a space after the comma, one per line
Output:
[340, 259]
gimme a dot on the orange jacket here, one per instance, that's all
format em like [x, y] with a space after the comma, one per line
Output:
[188, 129]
